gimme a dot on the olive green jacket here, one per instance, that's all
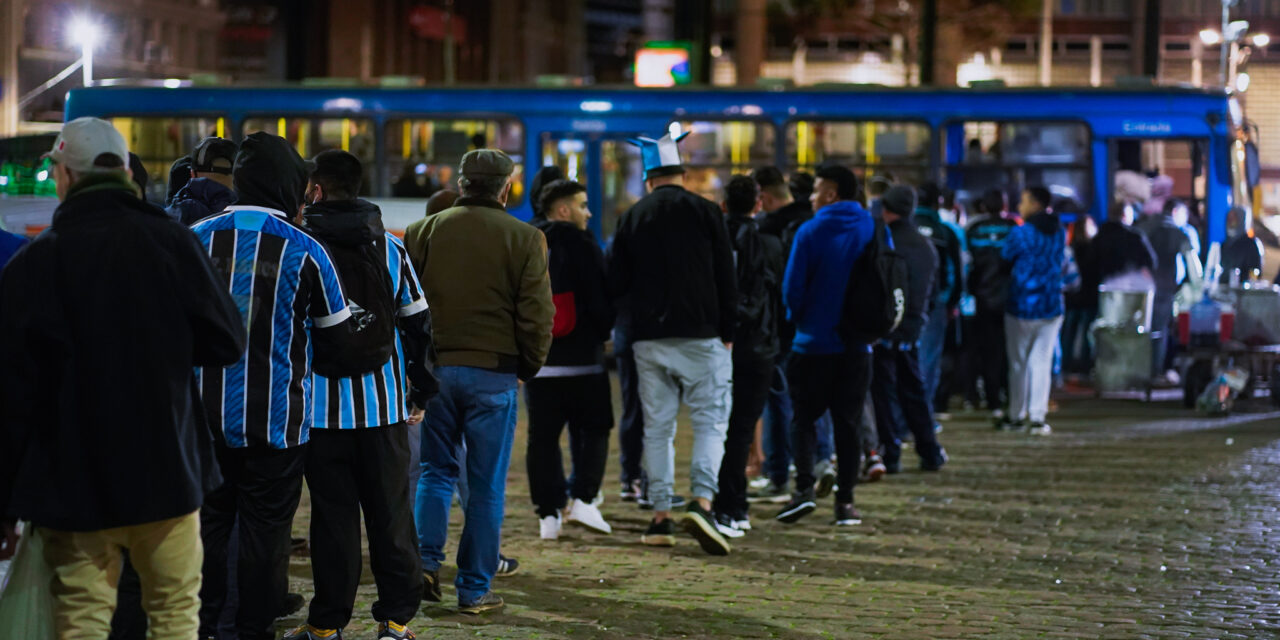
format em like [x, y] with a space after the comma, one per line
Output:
[485, 277]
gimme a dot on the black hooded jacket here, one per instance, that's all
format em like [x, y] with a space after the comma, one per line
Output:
[1119, 249]
[922, 269]
[199, 199]
[584, 313]
[354, 223]
[782, 223]
[269, 173]
[756, 258]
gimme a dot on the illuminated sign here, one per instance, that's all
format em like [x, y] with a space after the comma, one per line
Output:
[663, 64]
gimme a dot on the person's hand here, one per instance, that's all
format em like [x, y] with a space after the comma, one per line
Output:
[415, 416]
[8, 539]
[729, 346]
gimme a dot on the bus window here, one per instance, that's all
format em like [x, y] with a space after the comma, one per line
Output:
[898, 150]
[567, 152]
[423, 155]
[715, 150]
[623, 182]
[1014, 155]
[310, 136]
[160, 141]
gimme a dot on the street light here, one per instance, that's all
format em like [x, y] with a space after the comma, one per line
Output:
[85, 33]
[1210, 37]
[1261, 40]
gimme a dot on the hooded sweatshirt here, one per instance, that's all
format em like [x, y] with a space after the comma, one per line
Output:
[818, 271]
[584, 314]
[199, 199]
[269, 173]
[1037, 251]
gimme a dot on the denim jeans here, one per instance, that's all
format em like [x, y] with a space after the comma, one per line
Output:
[776, 439]
[631, 426]
[699, 369]
[1077, 342]
[932, 342]
[475, 408]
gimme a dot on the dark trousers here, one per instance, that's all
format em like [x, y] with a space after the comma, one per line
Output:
[992, 361]
[350, 471]
[751, 381]
[584, 403]
[897, 368]
[261, 488]
[838, 383]
[631, 426]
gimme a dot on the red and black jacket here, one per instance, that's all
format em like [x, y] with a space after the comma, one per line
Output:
[584, 313]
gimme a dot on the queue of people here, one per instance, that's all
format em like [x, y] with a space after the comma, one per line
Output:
[266, 328]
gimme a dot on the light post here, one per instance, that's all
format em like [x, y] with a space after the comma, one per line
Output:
[85, 33]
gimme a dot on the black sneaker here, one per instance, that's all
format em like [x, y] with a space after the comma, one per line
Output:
[846, 515]
[801, 505]
[487, 602]
[507, 566]
[727, 526]
[936, 464]
[631, 491]
[660, 534]
[645, 503]
[701, 524]
[826, 481]
[431, 586]
[290, 604]
[773, 493]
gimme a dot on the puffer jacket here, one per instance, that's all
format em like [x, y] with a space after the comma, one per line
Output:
[1037, 251]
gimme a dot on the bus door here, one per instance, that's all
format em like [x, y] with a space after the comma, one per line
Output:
[1180, 159]
[608, 165]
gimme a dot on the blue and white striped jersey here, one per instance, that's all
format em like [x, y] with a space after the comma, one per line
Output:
[284, 284]
[375, 399]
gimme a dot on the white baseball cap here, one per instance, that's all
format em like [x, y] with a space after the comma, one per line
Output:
[83, 140]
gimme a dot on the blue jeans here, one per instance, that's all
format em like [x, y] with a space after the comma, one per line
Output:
[475, 407]
[776, 439]
[932, 341]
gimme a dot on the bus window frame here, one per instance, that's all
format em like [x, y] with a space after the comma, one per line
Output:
[230, 125]
[720, 117]
[931, 161]
[1089, 167]
[386, 117]
[371, 116]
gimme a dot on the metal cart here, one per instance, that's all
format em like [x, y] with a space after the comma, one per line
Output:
[1261, 361]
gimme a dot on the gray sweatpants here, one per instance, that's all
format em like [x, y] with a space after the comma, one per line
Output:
[700, 371]
[1030, 344]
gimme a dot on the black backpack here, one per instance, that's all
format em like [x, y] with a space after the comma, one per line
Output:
[367, 283]
[875, 301]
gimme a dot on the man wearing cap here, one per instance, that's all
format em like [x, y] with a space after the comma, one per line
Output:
[208, 191]
[135, 475]
[673, 260]
[485, 277]
[896, 375]
[260, 408]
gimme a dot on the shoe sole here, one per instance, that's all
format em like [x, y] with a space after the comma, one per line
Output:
[504, 574]
[875, 474]
[705, 533]
[779, 499]
[662, 540]
[847, 523]
[795, 514]
[477, 609]
[825, 484]
[582, 525]
[729, 533]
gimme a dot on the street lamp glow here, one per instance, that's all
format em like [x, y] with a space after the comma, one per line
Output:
[1261, 40]
[1210, 36]
[84, 33]
[1242, 82]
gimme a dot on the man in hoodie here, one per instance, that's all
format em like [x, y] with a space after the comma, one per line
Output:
[989, 285]
[897, 361]
[359, 441]
[573, 386]
[948, 286]
[1037, 253]
[134, 477]
[757, 257]
[208, 191]
[826, 373]
[260, 408]
[673, 260]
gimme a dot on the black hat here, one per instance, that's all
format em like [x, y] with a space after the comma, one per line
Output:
[899, 199]
[214, 155]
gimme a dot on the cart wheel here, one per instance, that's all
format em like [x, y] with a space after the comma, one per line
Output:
[1194, 382]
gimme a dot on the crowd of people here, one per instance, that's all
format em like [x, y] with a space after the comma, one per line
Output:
[173, 375]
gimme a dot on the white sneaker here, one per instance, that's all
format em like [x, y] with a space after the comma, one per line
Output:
[729, 531]
[588, 516]
[598, 500]
[1039, 429]
[549, 528]
[742, 525]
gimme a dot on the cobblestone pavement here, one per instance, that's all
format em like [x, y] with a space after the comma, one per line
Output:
[1132, 520]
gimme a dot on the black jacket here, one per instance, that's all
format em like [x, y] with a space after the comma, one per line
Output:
[782, 223]
[102, 321]
[1167, 243]
[198, 200]
[756, 260]
[922, 268]
[673, 260]
[1119, 249]
[989, 273]
[584, 312]
[1086, 295]
[359, 222]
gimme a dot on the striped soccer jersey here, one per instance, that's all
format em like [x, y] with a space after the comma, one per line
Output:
[284, 284]
[378, 398]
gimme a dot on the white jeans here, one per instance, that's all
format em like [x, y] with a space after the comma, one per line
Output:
[699, 370]
[1030, 344]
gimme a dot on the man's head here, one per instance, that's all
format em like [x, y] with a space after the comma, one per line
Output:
[441, 200]
[1034, 200]
[774, 193]
[214, 158]
[269, 173]
[878, 186]
[485, 173]
[993, 202]
[85, 146]
[929, 196]
[898, 202]
[741, 196]
[833, 183]
[801, 186]
[663, 179]
[337, 176]
[565, 201]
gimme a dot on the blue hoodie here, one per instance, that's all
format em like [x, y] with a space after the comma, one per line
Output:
[198, 200]
[822, 258]
[1037, 251]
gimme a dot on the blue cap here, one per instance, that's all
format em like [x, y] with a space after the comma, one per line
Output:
[662, 156]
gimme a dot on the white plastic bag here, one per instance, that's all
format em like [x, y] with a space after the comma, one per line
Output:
[26, 594]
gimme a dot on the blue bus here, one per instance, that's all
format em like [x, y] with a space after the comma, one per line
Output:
[1072, 140]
